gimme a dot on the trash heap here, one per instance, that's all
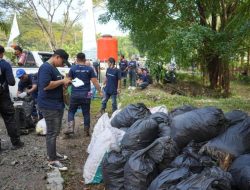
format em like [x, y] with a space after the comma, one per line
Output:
[188, 148]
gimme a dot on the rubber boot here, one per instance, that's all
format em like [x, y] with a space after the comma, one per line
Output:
[70, 128]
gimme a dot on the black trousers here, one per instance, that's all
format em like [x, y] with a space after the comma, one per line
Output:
[7, 112]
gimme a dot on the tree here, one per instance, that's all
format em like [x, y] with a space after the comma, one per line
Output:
[206, 31]
[31, 8]
[4, 26]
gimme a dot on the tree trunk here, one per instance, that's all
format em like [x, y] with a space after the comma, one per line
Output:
[225, 78]
[219, 74]
[213, 66]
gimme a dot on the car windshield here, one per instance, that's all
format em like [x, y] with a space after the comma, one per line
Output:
[45, 56]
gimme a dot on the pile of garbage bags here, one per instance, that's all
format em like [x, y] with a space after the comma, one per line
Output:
[187, 148]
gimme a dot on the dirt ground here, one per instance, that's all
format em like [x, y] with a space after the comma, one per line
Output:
[26, 168]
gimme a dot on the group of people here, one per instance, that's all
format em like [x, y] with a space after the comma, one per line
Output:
[46, 87]
[138, 76]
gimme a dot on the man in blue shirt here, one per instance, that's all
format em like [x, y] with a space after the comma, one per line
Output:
[81, 94]
[132, 66]
[6, 106]
[123, 65]
[112, 82]
[28, 84]
[50, 102]
[143, 80]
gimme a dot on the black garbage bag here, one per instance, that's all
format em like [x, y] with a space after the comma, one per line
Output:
[160, 117]
[181, 110]
[140, 135]
[210, 179]
[235, 117]
[163, 121]
[169, 178]
[113, 170]
[164, 130]
[240, 171]
[189, 159]
[232, 143]
[130, 114]
[141, 168]
[199, 125]
[28, 104]
[171, 150]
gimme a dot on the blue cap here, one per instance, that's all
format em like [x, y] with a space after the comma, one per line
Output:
[20, 73]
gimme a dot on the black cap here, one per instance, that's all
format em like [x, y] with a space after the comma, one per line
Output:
[63, 54]
[18, 48]
[2, 50]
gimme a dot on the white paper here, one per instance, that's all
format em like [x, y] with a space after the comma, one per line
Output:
[22, 95]
[77, 82]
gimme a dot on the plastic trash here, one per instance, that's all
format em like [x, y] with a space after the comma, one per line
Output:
[129, 115]
[235, 116]
[140, 135]
[181, 110]
[232, 143]
[169, 178]
[240, 171]
[210, 179]
[199, 125]
[41, 128]
[113, 170]
[141, 168]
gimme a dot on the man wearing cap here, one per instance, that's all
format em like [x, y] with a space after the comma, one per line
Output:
[50, 102]
[112, 85]
[21, 56]
[6, 106]
[28, 85]
[81, 94]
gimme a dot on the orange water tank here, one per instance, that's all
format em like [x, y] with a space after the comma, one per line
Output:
[107, 46]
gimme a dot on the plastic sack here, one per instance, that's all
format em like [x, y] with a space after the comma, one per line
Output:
[28, 104]
[163, 121]
[191, 159]
[232, 143]
[160, 117]
[105, 139]
[171, 150]
[169, 178]
[235, 117]
[113, 170]
[164, 130]
[161, 108]
[141, 168]
[181, 110]
[140, 135]
[199, 125]
[129, 115]
[100, 126]
[41, 128]
[210, 179]
[240, 171]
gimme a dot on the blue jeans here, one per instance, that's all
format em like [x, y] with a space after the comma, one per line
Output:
[53, 119]
[132, 77]
[143, 85]
[105, 100]
[84, 103]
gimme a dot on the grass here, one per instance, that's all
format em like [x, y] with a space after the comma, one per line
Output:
[154, 96]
